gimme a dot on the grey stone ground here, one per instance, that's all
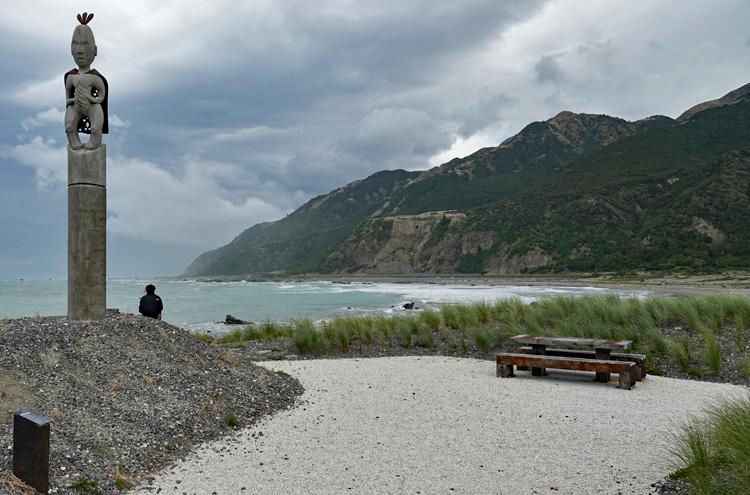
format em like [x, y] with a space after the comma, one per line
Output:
[448, 425]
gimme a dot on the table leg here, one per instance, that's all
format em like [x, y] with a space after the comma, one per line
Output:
[602, 354]
[539, 350]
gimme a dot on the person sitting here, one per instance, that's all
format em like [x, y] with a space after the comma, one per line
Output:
[151, 304]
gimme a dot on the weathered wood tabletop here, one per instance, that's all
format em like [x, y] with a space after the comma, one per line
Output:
[609, 344]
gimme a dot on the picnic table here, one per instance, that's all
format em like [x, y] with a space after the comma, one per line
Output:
[602, 348]
[603, 356]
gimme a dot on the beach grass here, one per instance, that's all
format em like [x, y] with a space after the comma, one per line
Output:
[714, 452]
[745, 365]
[679, 351]
[307, 339]
[684, 330]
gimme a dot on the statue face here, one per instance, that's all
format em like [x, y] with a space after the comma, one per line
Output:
[83, 47]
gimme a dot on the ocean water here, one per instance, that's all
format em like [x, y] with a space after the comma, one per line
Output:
[199, 306]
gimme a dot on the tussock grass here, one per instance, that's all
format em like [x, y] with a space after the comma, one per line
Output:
[342, 339]
[451, 316]
[407, 338]
[267, 330]
[714, 452]
[431, 319]
[424, 337]
[745, 365]
[487, 326]
[202, 337]
[307, 339]
[481, 339]
[679, 350]
[711, 351]
[482, 312]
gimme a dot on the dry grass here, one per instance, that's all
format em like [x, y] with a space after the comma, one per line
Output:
[113, 384]
[229, 357]
[11, 485]
[127, 319]
[210, 408]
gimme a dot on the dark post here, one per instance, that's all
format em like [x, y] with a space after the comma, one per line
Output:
[31, 450]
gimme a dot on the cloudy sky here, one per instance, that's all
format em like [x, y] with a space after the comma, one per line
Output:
[228, 113]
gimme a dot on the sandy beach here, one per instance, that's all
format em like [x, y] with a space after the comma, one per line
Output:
[448, 425]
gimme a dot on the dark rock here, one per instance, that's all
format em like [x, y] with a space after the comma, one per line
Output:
[409, 305]
[231, 320]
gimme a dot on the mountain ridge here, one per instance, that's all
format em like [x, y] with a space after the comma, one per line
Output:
[561, 167]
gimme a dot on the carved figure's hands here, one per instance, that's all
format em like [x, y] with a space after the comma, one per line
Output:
[82, 101]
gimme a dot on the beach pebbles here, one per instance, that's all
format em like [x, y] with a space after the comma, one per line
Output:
[126, 395]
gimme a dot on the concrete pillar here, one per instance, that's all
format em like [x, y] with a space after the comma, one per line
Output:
[87, 233]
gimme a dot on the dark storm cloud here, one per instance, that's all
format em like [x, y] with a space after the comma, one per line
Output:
[548, 69]
[232, 113]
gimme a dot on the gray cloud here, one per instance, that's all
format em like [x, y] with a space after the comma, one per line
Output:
[485, 111]
[225, 120]
[548, 69]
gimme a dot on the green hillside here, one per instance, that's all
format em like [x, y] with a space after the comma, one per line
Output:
[577, 192]
[674, 198]
[520, 162]
[308, 231]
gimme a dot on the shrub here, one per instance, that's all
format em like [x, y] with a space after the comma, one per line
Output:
[231, 420]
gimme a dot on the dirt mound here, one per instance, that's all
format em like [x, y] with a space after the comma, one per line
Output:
[126, 395]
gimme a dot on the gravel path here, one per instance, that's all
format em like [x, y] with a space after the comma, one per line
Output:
[448, 425]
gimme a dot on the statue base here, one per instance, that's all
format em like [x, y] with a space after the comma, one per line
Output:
[87, 233]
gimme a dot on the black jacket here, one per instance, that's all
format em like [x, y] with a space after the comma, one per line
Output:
[150, 305]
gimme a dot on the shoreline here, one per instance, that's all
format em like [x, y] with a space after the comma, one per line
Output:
[672, 284]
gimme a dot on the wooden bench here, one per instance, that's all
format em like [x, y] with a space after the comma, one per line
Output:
[625, 369]
[638, 359]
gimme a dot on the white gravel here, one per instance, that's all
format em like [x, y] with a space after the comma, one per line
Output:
[447, 425]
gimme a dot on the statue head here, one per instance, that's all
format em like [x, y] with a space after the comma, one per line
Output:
[83, 45]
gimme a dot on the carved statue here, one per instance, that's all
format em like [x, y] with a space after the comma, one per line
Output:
[86, 91]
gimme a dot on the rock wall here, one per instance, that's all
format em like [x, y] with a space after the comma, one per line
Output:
[427, 243]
